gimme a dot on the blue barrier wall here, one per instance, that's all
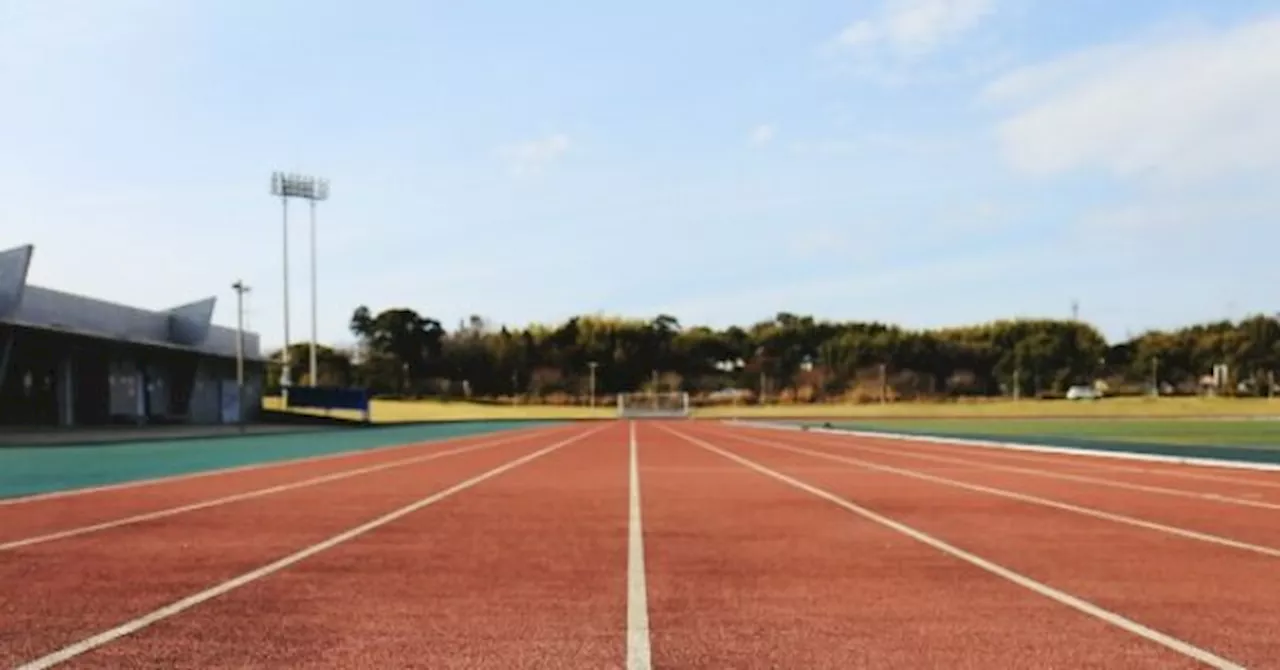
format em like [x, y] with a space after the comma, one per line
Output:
[328, 397]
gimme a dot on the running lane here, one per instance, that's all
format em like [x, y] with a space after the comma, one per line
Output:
[1220, 599]
[747, 572]
[526, 570]
[56, 593]
[39, 515]
[1236, 517]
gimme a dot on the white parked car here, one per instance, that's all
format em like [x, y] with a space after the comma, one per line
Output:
[1083, 393]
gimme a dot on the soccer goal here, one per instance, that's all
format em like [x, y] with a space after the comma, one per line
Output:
[658, 405]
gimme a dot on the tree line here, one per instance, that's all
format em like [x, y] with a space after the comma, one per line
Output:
[789, 358]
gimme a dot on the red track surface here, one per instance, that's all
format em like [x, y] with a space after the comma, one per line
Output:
[529, 568]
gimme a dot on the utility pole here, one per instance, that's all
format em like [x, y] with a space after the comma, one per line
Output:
[1017, 375]
[1155, 376]
[240, 288]
[592, 365]
[763, 377]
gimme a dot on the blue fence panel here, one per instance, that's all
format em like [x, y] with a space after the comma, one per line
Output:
[328, 397]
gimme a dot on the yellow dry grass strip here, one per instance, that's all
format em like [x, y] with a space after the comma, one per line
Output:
[394, 411]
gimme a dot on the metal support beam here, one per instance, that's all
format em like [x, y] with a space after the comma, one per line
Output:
[66, 387]
[6, 352]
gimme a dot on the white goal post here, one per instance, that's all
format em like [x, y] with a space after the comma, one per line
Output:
[634, 405]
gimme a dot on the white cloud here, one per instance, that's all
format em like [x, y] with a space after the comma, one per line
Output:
[859, 34]
[1187, 108]
[532, 156]
[762, 134]
[913, 28]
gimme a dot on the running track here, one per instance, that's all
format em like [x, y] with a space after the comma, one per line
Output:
[654, 545]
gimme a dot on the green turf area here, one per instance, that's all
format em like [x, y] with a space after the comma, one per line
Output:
[1255, 440]
[1212, 432]
[995, 408]
[31, 470]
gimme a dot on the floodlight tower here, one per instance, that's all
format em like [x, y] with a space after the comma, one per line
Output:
[313, 190]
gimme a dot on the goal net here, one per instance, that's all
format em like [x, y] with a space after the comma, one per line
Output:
[653, 404]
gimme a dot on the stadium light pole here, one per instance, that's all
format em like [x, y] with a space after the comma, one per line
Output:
[280, 186]
[321, 192]
[285, 186]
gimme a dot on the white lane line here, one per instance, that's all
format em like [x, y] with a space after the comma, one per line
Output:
[88, 644]
[1130, 486]
[249, 495]
[1023, 497]
[68, 493]
[1049, 456]
[1062, 597]
[1221, 463]
[1083, 461]
[638, 653]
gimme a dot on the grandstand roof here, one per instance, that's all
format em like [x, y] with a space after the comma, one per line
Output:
[186, 327]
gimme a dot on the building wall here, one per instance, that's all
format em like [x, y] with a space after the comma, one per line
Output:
[216, 377]
[206, 396]
[76, 359]
[124, 388]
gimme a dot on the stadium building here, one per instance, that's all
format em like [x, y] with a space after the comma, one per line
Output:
[69, 360]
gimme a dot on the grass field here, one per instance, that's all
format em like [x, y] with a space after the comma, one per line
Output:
[396, 411]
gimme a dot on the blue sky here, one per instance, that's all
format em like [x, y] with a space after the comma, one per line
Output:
[926, 162]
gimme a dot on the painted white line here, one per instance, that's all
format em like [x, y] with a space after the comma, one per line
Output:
[257, 493]
[1078, 460]
[1185, 471]
[1099, 481]
[638, 653]
[88, 644]
[37, 497]
[1023, 446]
[1062, 597]
[1026, 498]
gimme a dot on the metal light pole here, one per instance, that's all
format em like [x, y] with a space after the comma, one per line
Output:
[240, 288]
[278, 188]
[1155, 376]
[592, 365]
[1017, 375]
[321, 192]
[313, 189]
[884, 384]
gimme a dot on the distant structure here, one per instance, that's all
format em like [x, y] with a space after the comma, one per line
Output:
[1075, 310]
[70, 360]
